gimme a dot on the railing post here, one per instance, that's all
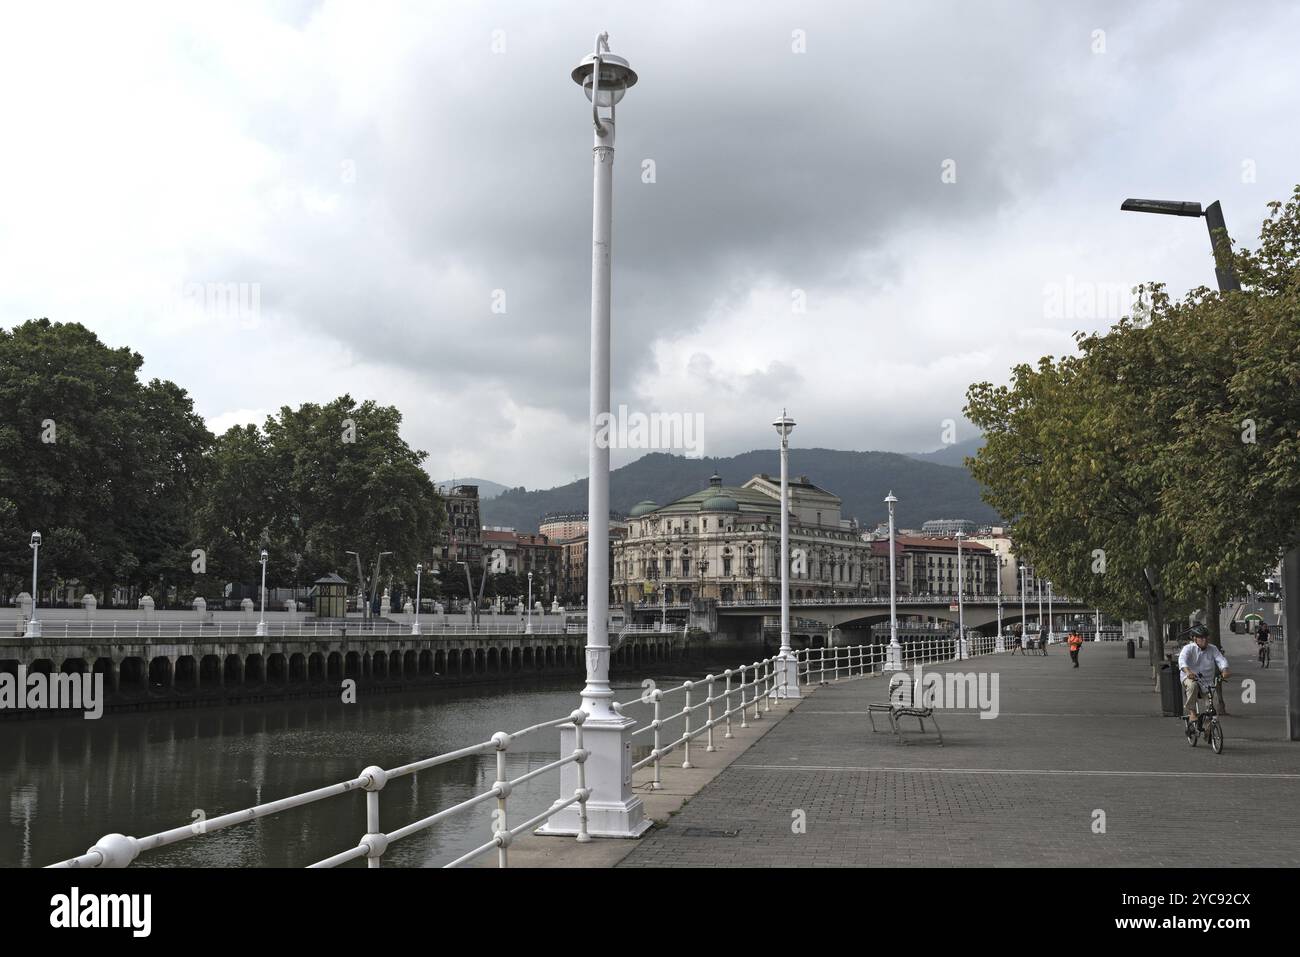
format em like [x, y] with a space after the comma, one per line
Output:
[821, 661]
[375, 839]
[709, 748]
[758, 680]
[658, 781]
[743, 703]
[578, 717]
[501, 829]
[686, 734]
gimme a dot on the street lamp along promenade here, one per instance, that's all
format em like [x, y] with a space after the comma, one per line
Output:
[34, 623]
[788, 687]
[613, 810]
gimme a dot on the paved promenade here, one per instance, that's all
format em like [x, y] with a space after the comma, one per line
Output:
[1024, 789]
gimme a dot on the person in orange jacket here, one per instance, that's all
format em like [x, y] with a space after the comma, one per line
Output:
[1076, 642]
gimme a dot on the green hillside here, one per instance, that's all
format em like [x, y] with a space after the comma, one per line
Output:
[925, 490]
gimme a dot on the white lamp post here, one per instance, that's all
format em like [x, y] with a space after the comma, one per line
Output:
[415, 625]
[528, 628]
[1024, 620]
[1038, 586]
[999, 643]
[894, 656]
[1051, 625]
[961, 605]
[33, 623]
[1097, 634]
[261, 624]
[788, 687]
[612, 808]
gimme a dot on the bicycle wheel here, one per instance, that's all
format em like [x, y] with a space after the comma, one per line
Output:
[1267, 654]
[1192, 731]
[1216, 737]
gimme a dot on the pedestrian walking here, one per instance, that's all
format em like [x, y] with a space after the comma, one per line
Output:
[1076, 642]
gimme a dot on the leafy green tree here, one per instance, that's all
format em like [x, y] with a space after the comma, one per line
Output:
[100, 463]
[313, 483]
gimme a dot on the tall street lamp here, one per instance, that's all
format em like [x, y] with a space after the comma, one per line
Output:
[1024, 629]
[999, 643]
[1220, 245]
[528, 628]
[361, 585]
[261, 624]
[961, 604]
[415, 625]
[612, 809]
[33, 623]
[894, 656]
[1051, 622]
[788, 687]
[1038, 587]
[374, 588]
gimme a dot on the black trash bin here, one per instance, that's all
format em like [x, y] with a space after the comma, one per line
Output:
[1171, 692]
[1131, 652]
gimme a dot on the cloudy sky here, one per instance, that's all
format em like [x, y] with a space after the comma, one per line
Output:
[937, 185]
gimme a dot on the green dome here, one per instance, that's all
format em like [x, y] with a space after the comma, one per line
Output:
[719, 503]
[642, 508]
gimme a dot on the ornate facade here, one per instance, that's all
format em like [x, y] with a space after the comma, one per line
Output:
[724, 542]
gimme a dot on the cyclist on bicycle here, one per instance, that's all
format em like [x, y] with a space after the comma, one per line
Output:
[1261, 639]
[1196, 663]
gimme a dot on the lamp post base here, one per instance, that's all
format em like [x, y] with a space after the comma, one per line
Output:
[261, 629]
[612, 809]
[1000, 645]
[960, 653]
[415, 629]
[33, 629]
[894, 658]
[786, 676]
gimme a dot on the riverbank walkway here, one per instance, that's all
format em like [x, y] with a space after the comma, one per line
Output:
[1078, 768]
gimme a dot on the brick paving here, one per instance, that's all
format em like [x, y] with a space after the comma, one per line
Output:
[1019, 790]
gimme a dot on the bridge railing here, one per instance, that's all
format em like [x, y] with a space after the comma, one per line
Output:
[191, 630]
[981, 600]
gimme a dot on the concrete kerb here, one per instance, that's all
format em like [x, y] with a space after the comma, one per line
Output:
[679, 786]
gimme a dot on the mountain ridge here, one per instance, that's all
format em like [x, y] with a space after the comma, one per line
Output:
[926, 489]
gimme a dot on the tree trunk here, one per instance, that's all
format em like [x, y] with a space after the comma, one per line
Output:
[1212, 615]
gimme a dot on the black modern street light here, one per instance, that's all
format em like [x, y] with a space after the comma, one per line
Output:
[1220, 245]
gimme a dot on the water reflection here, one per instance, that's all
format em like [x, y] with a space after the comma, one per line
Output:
[71, 781]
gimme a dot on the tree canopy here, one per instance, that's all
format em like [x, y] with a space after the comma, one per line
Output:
[1159, 464]
[129, 488]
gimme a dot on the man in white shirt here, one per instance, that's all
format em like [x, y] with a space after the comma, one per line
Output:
[1196, 663]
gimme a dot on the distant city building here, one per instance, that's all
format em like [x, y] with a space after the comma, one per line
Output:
[947, 527]
[505, 550]
[561, 526]
[724, 542]
[462, 536]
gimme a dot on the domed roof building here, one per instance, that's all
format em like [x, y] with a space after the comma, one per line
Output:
[723, 542]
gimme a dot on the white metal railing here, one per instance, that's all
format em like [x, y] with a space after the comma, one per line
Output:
[118, 850]
[749, 687]
[767, 681]
[980, 600]
[192, 630]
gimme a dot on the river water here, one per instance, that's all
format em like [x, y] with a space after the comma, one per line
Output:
[70, 781]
